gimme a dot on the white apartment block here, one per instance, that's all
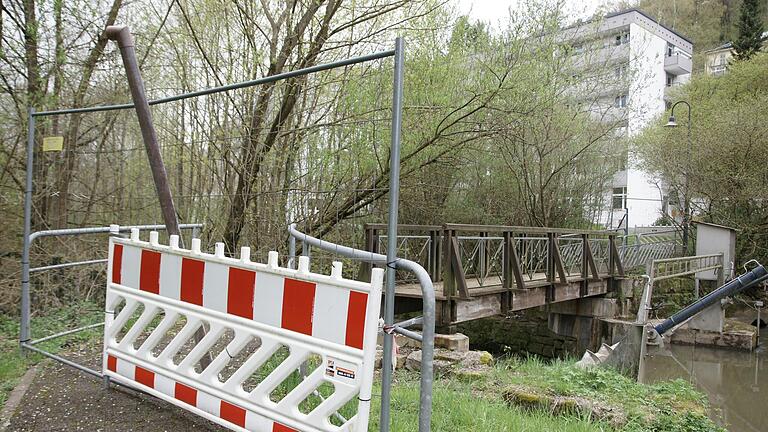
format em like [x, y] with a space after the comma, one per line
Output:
[642, 60]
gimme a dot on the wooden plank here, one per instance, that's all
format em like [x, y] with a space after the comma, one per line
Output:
[449, 280]
[515, 262]
[558, 261]
[597, 287]
[404, 227]
[529, 298]
[364, 272]
[478, 307]
[458, 269]
[522, 229]
[591, 260]
[616, 258]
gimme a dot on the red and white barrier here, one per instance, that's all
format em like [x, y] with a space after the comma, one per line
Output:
[313, 315]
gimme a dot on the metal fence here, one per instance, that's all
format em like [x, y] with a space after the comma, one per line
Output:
[398, 56]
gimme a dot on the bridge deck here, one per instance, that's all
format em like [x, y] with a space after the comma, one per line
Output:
[493, 299]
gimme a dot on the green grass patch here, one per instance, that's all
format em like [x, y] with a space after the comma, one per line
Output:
[13, 365]
[458, 406]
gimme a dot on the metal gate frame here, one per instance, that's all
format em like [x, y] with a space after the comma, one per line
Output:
[391, 260]
[25, 339]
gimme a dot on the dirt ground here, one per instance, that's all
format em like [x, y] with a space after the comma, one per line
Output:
[64, 399]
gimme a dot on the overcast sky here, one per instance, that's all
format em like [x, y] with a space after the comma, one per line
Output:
[494, 10]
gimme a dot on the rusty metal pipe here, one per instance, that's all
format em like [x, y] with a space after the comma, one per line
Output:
[122, 35]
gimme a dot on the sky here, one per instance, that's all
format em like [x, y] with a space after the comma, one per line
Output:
[493, 10]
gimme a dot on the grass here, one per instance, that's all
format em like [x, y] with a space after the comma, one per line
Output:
[13, 365]
[457, 407]
[459, 402]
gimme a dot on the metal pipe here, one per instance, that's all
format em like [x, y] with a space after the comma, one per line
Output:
[291, 252]
[428, 302]
[228, 87]
[65, 333]
[410, 322]
[103, 230]
[752, 277]
[63, 360]
[122, 35]
[394, 197]
[407, 333]
[65, 265]
[27, 241]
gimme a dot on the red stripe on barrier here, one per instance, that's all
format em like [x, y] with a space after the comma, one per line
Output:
[277, 427]
[143, 376]
[298, 305]
[149, 276]
[117, 264]
[240, 292]
[232, 413]
[192, 281]
[358, 304]
[186, 394]
[112, 363]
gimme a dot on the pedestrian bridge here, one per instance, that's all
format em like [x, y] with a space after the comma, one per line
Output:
[485, 270]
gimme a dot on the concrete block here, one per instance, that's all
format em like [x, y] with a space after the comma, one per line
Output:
[710, 319]
[454, 342]
[413, 363]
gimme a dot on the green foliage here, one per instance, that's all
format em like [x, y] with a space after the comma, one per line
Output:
[727, 164]
[750, 38]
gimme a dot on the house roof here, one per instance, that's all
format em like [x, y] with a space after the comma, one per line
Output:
[650, 18]
[715, 225]
[729, 45]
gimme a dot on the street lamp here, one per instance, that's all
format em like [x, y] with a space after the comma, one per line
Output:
[686, 199]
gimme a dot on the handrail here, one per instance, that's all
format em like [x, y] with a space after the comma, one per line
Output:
[428, 323]
[687, 258]
[490, 228]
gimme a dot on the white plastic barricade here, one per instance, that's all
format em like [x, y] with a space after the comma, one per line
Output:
[260, 322]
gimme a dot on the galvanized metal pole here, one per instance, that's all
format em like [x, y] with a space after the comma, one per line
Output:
[291, 252]
[122, 35]
[24, 333]
[394, 196]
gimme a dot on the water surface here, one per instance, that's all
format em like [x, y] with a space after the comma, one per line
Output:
[736, 382]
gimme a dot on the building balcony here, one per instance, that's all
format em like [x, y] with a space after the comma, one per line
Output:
[677, 64]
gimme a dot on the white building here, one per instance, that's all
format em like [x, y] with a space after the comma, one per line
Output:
[647, 59]
[718, 59]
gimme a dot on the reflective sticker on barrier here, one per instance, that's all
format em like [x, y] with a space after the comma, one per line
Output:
[223, 337]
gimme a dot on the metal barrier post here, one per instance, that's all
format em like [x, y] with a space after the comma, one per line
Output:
[24, 333]
[291, 252]
[394, 196]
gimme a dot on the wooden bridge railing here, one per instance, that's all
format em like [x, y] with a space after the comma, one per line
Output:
[466, 258]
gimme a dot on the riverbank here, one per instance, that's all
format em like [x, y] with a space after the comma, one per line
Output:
[511, 395]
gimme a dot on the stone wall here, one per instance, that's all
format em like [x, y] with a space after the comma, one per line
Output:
[525, 332]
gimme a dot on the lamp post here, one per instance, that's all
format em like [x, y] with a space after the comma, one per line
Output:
[686, 199]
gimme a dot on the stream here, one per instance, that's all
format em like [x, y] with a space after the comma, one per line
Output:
[736, 382]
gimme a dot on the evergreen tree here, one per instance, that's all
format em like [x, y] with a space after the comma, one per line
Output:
[750, 31]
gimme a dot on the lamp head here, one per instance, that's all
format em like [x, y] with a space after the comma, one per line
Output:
[672, 122]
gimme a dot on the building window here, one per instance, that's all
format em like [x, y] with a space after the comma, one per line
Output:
[670, 80]
[620, 101]
[620, 72]
[621, 39]
[670, 49]
[619, 201]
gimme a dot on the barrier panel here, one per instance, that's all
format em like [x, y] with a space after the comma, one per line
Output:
[261, 322]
